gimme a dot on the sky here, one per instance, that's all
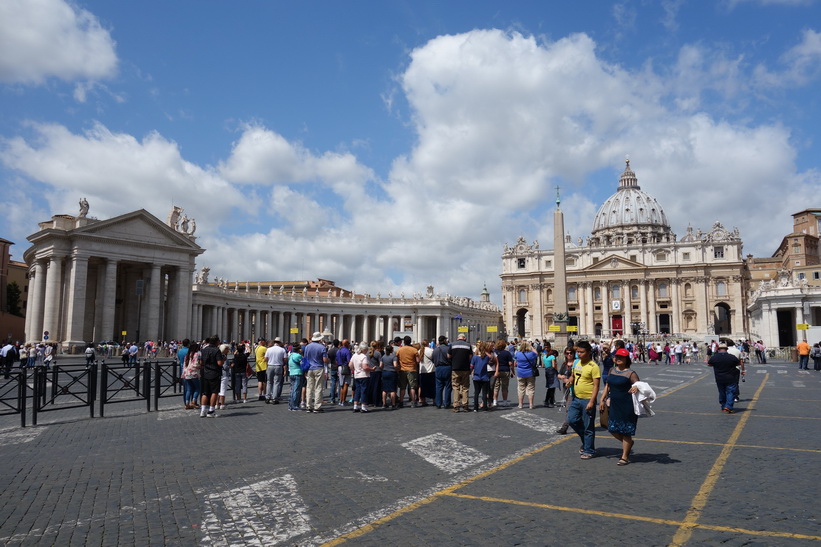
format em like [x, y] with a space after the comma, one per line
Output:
[391, 145]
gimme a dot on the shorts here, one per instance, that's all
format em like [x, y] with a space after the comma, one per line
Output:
[210, 386]
[262, 376]
[408, 378]
[346, 379]
[527, 386]
[501, 382]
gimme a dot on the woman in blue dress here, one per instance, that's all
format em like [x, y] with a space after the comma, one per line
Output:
[621, 422]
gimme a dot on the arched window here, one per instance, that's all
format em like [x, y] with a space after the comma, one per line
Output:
[522, 295]
[571, 294]
[597, 293]
[721, 288]
[615, 291]
[688, 290]
[634, 292]
[549, 295]
[663, 292]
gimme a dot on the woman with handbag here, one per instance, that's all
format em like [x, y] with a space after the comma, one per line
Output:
[619, 388]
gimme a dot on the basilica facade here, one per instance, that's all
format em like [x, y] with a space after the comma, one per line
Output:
[631, 276]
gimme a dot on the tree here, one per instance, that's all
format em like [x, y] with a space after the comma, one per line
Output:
[13, 296]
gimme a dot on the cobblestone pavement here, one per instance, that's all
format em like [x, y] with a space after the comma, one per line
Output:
[261, 475]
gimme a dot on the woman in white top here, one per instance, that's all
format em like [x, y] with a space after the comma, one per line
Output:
[427, 373]
[360, 363]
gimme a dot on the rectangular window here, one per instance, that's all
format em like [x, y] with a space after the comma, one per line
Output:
[595, 259]
[815, 275]
[802, 276]
[718, 252]
[685, 256]
[634, 258]
[548, 263]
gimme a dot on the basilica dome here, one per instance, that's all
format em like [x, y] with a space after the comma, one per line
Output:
[630, 216]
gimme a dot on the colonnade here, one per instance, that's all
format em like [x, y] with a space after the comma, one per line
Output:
[78, 298]
[294, 320]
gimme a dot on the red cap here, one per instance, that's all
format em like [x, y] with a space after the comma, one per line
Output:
[623, 352]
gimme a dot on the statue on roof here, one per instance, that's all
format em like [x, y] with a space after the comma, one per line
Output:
[83, 208]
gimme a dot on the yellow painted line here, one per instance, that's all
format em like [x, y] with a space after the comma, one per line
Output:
[725, 444]
[788, 417]
[652, 520]
[436, 495]
[684, 532]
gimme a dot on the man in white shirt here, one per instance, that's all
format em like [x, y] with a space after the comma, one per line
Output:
[276, 357]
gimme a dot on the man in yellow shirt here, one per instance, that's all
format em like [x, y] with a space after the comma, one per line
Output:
[581, 414]
[262, 367]
[803, 355]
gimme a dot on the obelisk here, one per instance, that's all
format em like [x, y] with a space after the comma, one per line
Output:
[559, 278]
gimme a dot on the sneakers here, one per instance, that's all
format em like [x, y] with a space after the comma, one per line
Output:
[364, 409]
[202, 414]
[211, 414]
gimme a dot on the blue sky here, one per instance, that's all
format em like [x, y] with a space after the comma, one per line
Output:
[393, 145]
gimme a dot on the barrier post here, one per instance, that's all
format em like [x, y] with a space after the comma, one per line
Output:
[147, 385]
[35, 398]
[21, 395]
[103, 384]
[91, 370]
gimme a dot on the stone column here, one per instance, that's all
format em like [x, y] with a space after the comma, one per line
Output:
[628, 308]
[152, 302]
[675, 294]
[643, 303]
[34, 313]
[51, 315]
[591, 310]
[281, 327]
[182, 326]
[76, 313]
[652, 321]
[606, 327]
[108, 301]
[581, 306]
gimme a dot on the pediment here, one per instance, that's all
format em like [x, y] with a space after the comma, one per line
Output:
[611, 263]
[139, 227]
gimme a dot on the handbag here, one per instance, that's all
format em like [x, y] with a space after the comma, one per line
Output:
[604, 416]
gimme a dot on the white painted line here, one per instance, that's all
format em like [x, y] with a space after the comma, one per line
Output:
[532, 421]
[263, 513]
[679, 376]
[447, 454]
[798, 383]
[19, 435]
[762, 371]
[803, 372]
[782, 372]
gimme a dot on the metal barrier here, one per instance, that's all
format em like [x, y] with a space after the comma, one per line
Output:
[125, 383]
[13, 395]
[166, 381]
[72, 386]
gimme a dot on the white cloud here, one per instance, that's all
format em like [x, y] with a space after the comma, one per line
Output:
[41, 39]
[117, 173]
[801, 64]
[500, 119]
[262, 156]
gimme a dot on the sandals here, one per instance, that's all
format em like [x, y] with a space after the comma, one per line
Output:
[622, 461]
[586, 456]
